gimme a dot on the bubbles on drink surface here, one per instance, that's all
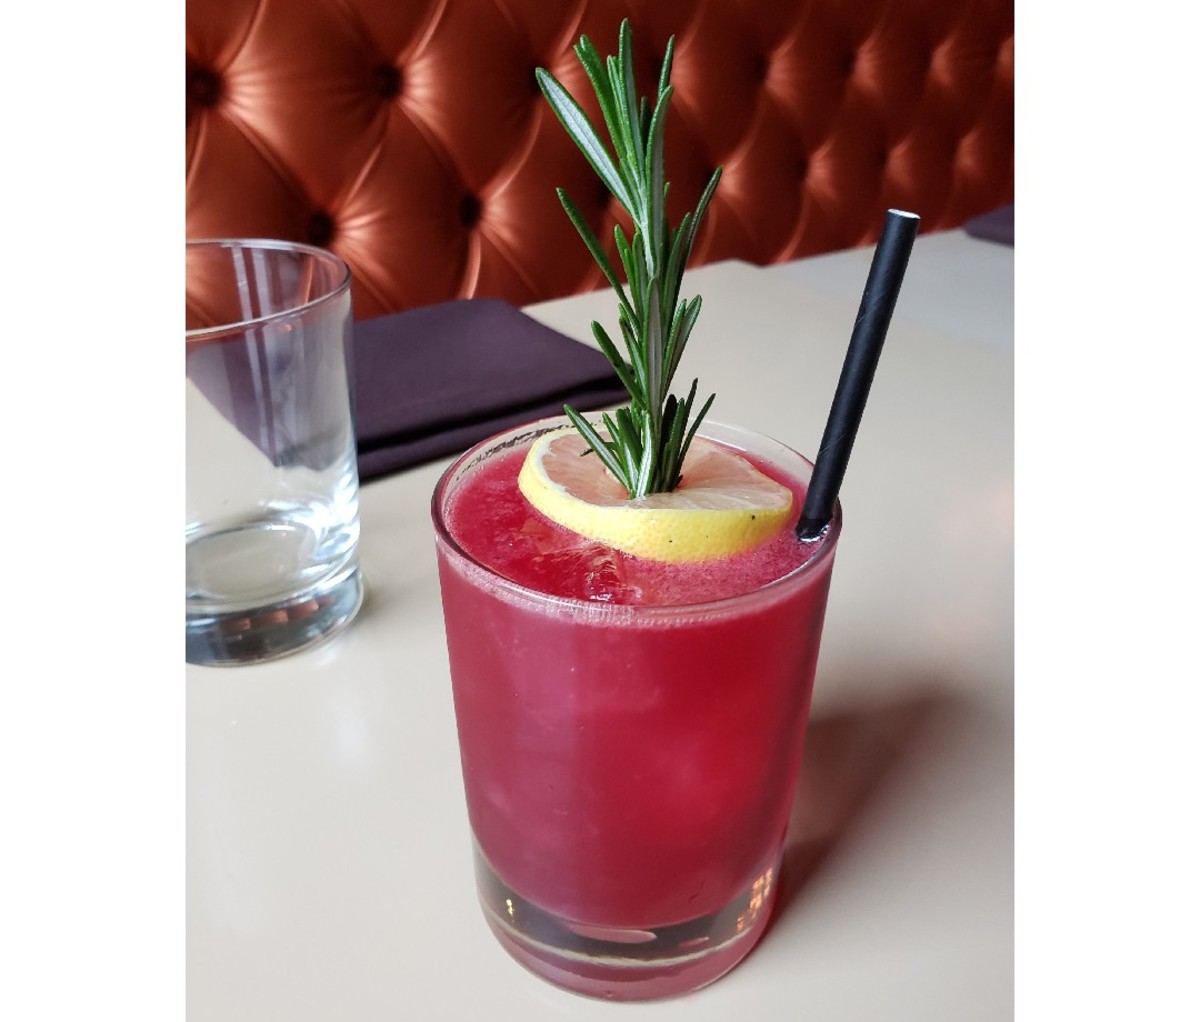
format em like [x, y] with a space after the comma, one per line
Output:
[497, 526]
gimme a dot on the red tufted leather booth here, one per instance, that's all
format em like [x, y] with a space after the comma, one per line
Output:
[409, 136]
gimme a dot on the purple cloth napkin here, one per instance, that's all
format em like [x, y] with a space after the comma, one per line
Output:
[995, 226]
[433, 381]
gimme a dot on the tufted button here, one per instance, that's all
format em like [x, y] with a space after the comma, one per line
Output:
[389, 80]
[203, 86]
[469, 210]
[656, 64]
[455, 192]
[320, 229]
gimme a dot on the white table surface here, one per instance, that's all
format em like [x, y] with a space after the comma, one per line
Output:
[328, 856]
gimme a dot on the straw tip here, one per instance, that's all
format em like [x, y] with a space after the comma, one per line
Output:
[810, 530]
[904, 213]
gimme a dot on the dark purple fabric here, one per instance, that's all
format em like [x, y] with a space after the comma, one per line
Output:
[995, 226]
[432, 381]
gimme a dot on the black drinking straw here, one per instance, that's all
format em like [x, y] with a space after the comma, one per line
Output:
[866, 343]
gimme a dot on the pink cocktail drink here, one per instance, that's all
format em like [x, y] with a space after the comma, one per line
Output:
[630, 732]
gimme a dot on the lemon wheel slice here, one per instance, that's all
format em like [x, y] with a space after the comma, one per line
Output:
[723, 505]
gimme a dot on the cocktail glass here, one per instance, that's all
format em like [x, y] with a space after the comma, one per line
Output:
[629, 770]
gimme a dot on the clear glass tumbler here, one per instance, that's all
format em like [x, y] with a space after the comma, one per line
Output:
[272, 480]
[629, 769]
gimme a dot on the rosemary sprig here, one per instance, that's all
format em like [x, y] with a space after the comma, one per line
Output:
[648, 438]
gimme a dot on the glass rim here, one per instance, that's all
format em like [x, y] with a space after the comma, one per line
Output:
[598, 608]
[322, 255]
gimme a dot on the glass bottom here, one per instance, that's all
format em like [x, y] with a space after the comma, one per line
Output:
[235, 637]
[626, 964]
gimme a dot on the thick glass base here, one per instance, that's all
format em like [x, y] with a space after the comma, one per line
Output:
[626, 964]
[286, 626]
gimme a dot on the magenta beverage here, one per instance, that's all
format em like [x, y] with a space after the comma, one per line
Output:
[630, 732]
